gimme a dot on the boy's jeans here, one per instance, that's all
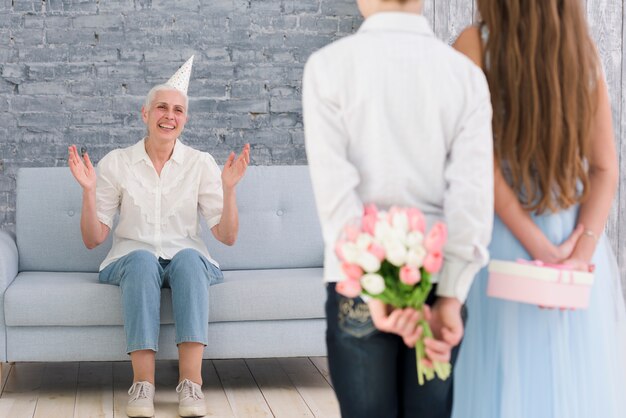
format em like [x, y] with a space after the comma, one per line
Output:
[141, 276]
[373, 373]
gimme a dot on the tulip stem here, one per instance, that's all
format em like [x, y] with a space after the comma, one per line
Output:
[439, 369]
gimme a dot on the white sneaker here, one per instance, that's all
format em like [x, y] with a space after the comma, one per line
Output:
[141, 401]
[190, 399]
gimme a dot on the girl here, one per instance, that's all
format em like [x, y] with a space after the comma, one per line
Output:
[555, 179]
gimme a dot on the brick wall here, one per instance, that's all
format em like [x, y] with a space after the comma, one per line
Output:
[76, 71]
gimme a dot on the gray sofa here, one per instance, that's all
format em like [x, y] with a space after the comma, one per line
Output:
[52, 307]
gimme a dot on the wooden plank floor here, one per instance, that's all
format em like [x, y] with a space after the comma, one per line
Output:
[291, 387]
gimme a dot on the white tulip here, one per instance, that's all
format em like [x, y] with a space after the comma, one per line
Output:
[350, 252]
[363, 241]
[368, 262]
[374, 284]
[399, 235]
[414, 239]
[415, 256]
[382, 230]
[400, 222]
[395, 252]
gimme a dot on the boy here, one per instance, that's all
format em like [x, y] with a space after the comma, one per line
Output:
[393, 116]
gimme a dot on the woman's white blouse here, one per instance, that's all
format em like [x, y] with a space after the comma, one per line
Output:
[158, 214]
[393, 116]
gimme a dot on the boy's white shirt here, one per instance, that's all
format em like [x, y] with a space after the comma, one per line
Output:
[393, 116]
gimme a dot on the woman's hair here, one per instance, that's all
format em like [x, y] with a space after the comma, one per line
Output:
[159, 87]
[542, 68]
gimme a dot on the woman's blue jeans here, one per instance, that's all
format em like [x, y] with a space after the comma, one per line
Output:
[140, 275]
[373, 372]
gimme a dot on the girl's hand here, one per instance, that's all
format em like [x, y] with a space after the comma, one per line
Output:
[557, 254]
[235, 168]
[579, 264]
[83, 172]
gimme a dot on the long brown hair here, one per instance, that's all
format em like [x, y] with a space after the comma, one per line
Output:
[542, 67]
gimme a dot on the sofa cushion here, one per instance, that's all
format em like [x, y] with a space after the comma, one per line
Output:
[78, 299]
[278, 228]
[47, 223]
[278, 222]
[244, 339]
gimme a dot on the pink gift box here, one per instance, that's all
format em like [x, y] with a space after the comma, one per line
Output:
[552, 286]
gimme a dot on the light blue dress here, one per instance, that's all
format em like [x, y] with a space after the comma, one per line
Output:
[520, 361]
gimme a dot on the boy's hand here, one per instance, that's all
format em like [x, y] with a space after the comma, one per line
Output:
[402, 322]
[446, 322]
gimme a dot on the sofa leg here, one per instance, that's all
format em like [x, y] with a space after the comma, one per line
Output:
[4, 373]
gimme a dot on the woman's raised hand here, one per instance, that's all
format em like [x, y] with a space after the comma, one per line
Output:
[83, 171]
[235, 168]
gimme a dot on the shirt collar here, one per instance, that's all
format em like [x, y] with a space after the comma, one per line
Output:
[138, 152]
[397, 21]
[178, 155]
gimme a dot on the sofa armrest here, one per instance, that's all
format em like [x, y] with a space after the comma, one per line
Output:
[8, 271]
[8, 261]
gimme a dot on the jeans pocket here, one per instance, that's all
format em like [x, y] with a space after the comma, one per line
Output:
[215, 274]
[104, 276]
[218, 276]
[354, 317]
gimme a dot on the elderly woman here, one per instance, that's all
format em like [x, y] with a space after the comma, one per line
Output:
[160, 186]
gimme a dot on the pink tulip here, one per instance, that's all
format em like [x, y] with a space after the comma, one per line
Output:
[351, 232]
[436, 237]
[352, 271]
[377, 250]
[339, 249]
[410, 275]
[416, 220]
[368, 223]
[370, 209]
[348, 288]
[433, 261]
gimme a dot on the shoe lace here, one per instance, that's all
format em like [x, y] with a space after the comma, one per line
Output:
[139, 390]
[189, 390]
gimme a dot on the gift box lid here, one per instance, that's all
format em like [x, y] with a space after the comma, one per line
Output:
[559, 273]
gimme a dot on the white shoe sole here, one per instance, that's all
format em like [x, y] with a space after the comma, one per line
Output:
[192, 411]
[139, 411]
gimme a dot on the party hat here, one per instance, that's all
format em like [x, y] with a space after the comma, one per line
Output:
[180, 80]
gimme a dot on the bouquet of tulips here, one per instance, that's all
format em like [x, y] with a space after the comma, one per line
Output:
[390, 256]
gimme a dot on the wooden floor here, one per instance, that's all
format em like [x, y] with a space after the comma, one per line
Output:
[286, 387]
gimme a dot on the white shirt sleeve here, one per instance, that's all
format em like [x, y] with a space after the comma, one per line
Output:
[333, 176]
[468, 199]
[211, 197]
[108, 195]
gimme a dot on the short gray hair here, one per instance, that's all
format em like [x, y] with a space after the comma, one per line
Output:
[161, 87]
